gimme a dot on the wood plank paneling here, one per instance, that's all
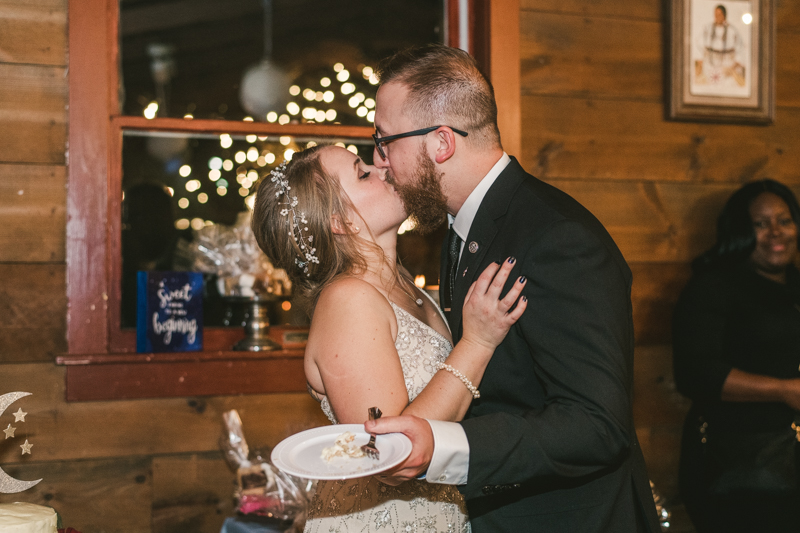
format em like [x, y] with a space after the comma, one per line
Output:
[64, 431]
[653, 222]
[505, 70]
[629, 140]
[647, 9]
[33, 114]
[107, 495]
[658, 412]
[30, 295]
[561, 54]
[655, 291]
[33, 305]
[787, 75]
[32, 213]
[51, 4]
[191, 493]
[32, 344]
[787, 15]
[593, 118]
[787, 12]
[33, 32]
[656, 400]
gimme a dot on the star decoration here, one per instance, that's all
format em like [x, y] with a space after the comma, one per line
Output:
[19, 416]
[9, 431]
[26, 448]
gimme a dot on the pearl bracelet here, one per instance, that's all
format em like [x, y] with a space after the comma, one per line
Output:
[467, 383]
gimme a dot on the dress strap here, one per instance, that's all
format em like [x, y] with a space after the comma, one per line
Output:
[439, 309]
[314, 394]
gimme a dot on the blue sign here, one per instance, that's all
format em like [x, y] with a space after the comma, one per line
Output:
[170, 312]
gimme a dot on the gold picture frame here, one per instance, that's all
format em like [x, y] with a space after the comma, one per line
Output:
[722, 66]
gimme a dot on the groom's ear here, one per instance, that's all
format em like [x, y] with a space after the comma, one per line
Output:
[445, 145]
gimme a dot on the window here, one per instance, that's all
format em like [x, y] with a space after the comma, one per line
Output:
[108, 120]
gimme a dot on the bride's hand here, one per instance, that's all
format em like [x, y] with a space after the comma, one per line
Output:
[487, 317]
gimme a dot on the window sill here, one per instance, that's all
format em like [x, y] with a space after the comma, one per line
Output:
[91, 377]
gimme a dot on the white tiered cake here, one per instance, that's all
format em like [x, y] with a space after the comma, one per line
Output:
[27, 518]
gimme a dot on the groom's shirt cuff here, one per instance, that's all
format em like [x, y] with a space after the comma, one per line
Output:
[450, 460]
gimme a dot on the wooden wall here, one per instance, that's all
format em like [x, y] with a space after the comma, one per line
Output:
[592, 115]
[125, 466]
[593, 124]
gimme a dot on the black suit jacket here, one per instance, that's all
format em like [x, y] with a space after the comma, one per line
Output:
[552, 442]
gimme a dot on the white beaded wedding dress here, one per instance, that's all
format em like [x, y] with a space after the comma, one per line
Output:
[366, 505]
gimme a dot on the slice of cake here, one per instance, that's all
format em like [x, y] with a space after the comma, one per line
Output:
[27, 518]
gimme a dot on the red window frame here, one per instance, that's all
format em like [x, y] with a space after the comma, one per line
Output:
[94, 335]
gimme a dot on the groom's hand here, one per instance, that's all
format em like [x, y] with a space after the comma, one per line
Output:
[419, 432]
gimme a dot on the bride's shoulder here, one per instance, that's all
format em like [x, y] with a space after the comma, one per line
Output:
[352, 295]
[346, 310]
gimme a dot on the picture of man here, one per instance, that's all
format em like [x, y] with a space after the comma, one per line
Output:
[720, 50]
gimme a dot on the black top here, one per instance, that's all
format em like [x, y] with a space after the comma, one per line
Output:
[736, 318]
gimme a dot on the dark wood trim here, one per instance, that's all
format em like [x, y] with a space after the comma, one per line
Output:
[228, 373]
[173, 357]
[451, 37]
[240, 127]
[87, 197]
[480, 17]
[213, 371]
[119, 340]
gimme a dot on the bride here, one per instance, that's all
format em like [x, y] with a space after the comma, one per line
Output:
[375, 338]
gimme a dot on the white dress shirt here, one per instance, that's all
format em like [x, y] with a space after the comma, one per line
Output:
[450, 461]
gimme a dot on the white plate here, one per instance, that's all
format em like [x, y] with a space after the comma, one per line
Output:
[301, 454]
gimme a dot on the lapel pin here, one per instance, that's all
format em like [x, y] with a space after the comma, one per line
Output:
[464, 274]
[473, 247]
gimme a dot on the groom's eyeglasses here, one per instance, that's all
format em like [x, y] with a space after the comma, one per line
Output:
[381, 141]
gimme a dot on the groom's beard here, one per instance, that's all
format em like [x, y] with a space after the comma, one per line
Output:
[423, 199]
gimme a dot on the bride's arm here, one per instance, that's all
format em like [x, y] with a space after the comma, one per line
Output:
[486, 320]
[351, 354]
[351, 349]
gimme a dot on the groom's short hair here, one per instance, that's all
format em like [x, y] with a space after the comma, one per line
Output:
[445, 87]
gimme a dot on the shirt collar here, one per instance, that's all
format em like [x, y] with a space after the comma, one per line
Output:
[463, 219]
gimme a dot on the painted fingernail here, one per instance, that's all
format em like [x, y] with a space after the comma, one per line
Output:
[496, 262]
[524, 298]
[512, 260]
[522, 279]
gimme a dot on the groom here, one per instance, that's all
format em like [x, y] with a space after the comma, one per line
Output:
[550, 444]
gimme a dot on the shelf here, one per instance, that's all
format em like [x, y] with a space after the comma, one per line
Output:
[92, 377]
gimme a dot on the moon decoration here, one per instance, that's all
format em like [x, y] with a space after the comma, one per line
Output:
[9, 484]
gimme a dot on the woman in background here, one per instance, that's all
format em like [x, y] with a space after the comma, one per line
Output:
[331, 222]
[736, 341]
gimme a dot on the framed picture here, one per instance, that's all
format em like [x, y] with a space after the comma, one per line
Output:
[722, 61]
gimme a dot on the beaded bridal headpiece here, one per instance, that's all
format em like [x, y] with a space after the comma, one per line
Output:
[297, 219]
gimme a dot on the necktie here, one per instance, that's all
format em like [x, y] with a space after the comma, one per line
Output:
[453, 250]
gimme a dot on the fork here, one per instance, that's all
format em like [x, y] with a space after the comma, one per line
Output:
[369, 448]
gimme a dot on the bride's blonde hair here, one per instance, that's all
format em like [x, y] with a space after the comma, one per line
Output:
[320, 199]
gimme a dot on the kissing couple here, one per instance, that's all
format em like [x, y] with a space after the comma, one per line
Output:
[517, 394]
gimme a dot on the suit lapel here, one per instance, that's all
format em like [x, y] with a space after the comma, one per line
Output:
[443, 272]
[482, 234]
[480, 238]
